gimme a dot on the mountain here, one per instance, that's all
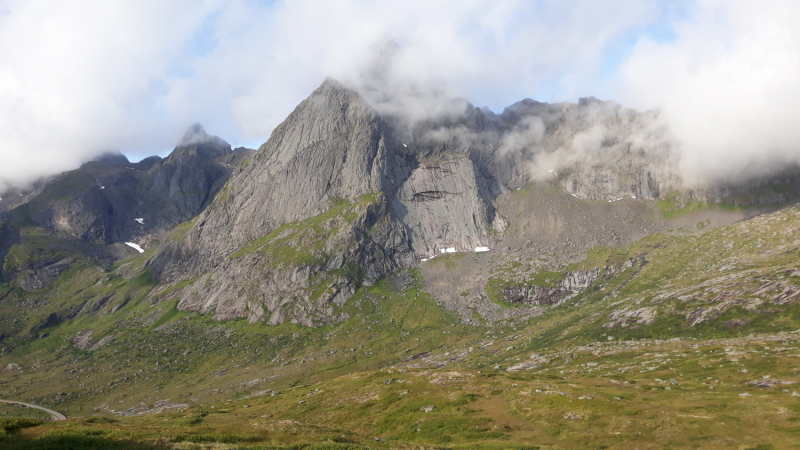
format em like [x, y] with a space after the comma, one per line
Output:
[539, 277]
[100, 201]
[111, 201]
[340, 196]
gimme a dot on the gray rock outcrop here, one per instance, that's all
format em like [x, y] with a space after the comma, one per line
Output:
[571, 284]
[39, 275]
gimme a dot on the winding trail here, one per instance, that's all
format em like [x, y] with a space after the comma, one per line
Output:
[55, 414]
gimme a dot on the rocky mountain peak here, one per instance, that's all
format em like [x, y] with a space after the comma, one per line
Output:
[342, 195]
[207, 146]
[111, 200]
[195, 134]
[345, 194]
[113, 158]
[333, 151]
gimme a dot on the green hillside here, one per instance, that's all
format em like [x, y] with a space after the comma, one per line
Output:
[685, 340]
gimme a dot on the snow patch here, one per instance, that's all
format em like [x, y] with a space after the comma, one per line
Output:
[135, 247]
[404, 145]
[450, 250]
[633, 196]
[481, 249]
[140, 220]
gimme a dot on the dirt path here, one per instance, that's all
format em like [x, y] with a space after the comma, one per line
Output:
[55, 414]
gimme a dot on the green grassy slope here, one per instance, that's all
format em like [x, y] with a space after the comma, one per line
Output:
[685, 341]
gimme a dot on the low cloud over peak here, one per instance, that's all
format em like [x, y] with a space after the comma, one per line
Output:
[80, 79]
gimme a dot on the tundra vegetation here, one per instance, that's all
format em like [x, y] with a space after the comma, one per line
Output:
[684, 340]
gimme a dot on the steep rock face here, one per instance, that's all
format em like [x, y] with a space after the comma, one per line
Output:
[303, 271]
[409, 194]
[434, 189]
[177, 188]
[84, 213]
[100, 201]
[437, 183]
[440, 205]
[333, 149]
[332, 146]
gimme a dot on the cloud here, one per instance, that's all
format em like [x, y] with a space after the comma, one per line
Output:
[266, 61]
[728, 85]
[81, 78]
[86, 77]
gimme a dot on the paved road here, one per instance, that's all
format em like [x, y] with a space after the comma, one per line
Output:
[55, 414]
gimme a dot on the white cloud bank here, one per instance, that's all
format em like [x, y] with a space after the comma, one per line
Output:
[81, 78]
[729, 85]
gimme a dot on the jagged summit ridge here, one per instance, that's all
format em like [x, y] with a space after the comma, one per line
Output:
[333, 147]
[342, 195]
[101, 200]
[389, 197]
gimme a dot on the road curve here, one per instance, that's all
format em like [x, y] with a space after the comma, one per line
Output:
[55, 414]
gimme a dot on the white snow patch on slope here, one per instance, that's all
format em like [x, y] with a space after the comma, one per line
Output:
[451, 250]
[481, 249]
[140, 220]
[430, 257]
[135, 247]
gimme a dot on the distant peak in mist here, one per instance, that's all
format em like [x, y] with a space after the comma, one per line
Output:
[114, 157]
[197, 135]
[194, 134]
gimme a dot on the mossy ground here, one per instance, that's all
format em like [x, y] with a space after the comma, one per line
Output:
[634, 394]
[344, 385]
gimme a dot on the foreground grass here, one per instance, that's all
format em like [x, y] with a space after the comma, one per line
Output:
[684, 342]
[635, 394]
